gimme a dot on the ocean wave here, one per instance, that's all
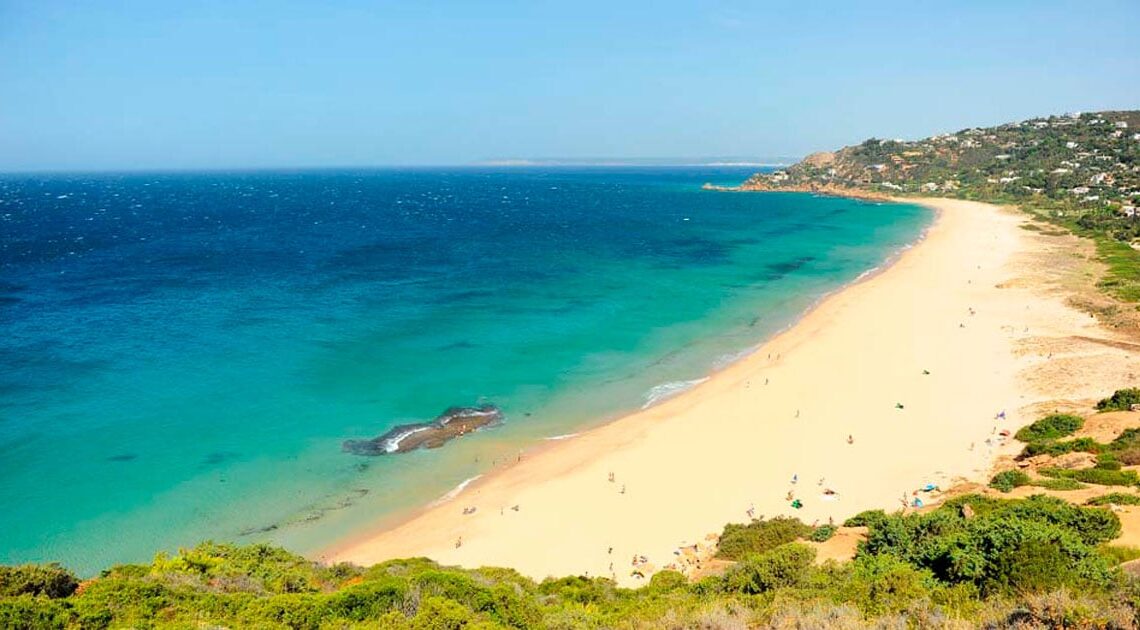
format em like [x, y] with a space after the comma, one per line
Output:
[564, 436]
[728, 359]
[454, 492]
[393, 443]
[665, 391]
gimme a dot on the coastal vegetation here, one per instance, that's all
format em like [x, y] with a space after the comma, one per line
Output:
[1050, 428]
[1121, 400]
[1080, 171]
[1039, 562]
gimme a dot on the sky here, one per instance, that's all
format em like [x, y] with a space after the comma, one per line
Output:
[156, 84]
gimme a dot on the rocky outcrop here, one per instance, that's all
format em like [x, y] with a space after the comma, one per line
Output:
[450, 424]
[763, 184]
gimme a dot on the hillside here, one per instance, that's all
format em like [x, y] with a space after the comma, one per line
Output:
[1081, 171]
[976, 559]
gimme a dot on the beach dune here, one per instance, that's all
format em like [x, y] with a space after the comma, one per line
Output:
[904, 379]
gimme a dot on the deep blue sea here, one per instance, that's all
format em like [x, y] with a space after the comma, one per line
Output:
[183, 354]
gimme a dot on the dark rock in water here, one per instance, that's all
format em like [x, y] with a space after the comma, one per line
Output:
[450, 424]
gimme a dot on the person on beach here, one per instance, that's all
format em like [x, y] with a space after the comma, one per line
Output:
[611, 477]
[458, 542]
[623, 488]
[850, 439]
[795, 477]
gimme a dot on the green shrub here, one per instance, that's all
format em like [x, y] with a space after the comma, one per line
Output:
[1096, 476]
[37, 613]
[759, 536]
[884, 584]
[1050, 539]
[1117, 498]
[1050, 428]
[1128, 438]
[823, 533]
[1121, 400]
[1059, 484]
[1107, 461]
[1007, 480]
[1092, 525]
[867, 518]
[440, 613]
[784, 566]
[51, 580]
[1118, 554]
[578, 589]
[665, 581]
[1055, 448]
[368, 600]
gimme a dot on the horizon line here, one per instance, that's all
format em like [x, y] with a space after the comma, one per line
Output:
[504, 164]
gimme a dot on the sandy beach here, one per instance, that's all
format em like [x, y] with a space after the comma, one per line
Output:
[904, 379]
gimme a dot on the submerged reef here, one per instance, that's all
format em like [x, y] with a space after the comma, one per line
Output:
[452, 423]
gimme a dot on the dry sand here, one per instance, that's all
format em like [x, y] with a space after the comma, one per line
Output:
[687, 466]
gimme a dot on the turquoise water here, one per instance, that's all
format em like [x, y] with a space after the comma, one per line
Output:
[185, 353]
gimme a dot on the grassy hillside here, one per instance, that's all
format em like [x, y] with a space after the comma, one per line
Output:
[974, 560]
[1080, 170]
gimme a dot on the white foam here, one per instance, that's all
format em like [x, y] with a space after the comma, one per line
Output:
[564, 436]
[454, 492]
[665, 391]
[393, 443]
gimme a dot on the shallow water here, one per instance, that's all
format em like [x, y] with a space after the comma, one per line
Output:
[184, 353]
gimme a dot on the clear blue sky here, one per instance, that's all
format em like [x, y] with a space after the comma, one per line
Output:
[131, 84]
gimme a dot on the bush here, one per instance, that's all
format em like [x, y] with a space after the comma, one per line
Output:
[823, 533]
[439, 613]
[1007, 480]
[1059, 484]
[1107, 461]
[51, 580]
[1118, 554]
[1117, 498]
[784, 566]
[1096, 476]
[1091, 525]
[881, 585]
[665, 581]
[32, 612]
[867, 518]
[759, 536]
[1034, 543]
[1121, 400]
[1055, 448]
[1050, 428]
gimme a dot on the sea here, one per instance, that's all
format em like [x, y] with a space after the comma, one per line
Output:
[183, 354]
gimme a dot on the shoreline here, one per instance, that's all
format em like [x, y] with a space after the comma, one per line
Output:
[391, 521]
[684, 484]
